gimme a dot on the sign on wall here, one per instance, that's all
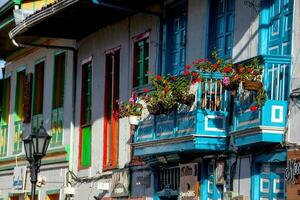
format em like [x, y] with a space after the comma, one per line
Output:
[292, 171]
[189, 185]
[18, 181]
[120, 183]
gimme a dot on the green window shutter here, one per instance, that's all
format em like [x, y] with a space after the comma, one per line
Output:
[141, 58]
[5, 117]
[86, 147]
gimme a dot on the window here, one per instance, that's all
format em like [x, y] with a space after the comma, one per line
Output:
[38, 96]
[5, 117]
[176, 24]
[19, 112]
[85, 116]
[221, 27]
[141, 60]
[169, 178]
[111, 120]
[279, 26]
[58, 99]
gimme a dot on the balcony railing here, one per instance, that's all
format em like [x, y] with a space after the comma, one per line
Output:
[206, 119]
[56, 127]
[36, 121]
[3, 140]
[18, 137]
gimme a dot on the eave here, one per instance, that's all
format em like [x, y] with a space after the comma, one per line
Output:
[75, 19]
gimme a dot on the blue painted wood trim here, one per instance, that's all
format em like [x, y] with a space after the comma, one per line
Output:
[263, 28]
[255, 182]
[204, 180]
[207, 53]
[258, 138]
[280, 156]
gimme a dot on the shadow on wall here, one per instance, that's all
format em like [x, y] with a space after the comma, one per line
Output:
[246, 30]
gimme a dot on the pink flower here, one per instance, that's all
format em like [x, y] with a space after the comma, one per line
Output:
[131, 100]
[146, 90]
[226, 81]
[253, 108]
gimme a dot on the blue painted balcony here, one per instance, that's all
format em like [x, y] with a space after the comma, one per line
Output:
[202, 127]
[266, 125]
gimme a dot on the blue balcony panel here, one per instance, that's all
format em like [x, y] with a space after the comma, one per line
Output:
[258, 136]
[191, 143]
[265, 125]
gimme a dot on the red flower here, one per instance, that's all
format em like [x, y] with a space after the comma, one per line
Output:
[146, 90]
[249, 70]
[215, 66]
[228, 69]
[236, 77]
[193, 82]
[194, 74]
[166, 90]
[200, 60]
[241, 70]
[187, 67]
[174, 78]
[198, 79]
[186, 72]
[253, 108]
[158, 77]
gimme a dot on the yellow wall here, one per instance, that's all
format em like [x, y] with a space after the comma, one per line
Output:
[35, 4]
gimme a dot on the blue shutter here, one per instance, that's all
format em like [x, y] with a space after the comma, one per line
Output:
[221, 27]
[280, 27]
[176, 40]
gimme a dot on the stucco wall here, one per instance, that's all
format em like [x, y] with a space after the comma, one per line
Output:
[246, 23]
[294, 106]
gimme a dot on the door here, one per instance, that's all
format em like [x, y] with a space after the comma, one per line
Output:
[111, 109]
[213, 191]
[272, 181]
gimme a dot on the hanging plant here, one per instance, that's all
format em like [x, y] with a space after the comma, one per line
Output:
[249, 75]
[131, 109]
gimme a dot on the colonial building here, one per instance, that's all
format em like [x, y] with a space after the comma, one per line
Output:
[68, 62]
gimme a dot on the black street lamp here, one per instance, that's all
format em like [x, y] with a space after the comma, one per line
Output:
[36, 145]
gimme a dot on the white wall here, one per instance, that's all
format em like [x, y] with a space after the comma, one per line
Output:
[246, 23]
[294, 114]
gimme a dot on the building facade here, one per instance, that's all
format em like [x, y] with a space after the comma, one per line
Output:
[68, 62]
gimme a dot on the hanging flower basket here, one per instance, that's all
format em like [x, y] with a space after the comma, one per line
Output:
[188, 99]
[160, 108]
[134, 120]
[252, 85]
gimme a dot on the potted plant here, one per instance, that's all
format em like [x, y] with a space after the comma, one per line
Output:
[233, 75]
[169, 91]
[131, 109]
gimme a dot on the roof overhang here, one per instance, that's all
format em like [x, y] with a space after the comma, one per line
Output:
[6, 24]
[75, 19]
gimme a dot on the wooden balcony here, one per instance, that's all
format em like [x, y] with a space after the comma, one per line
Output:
[266, 125]
[202, 127]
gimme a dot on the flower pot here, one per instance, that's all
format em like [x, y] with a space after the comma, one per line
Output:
[134, 120]
[252, 85]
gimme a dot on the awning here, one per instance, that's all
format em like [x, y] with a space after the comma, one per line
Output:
[75, 19]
